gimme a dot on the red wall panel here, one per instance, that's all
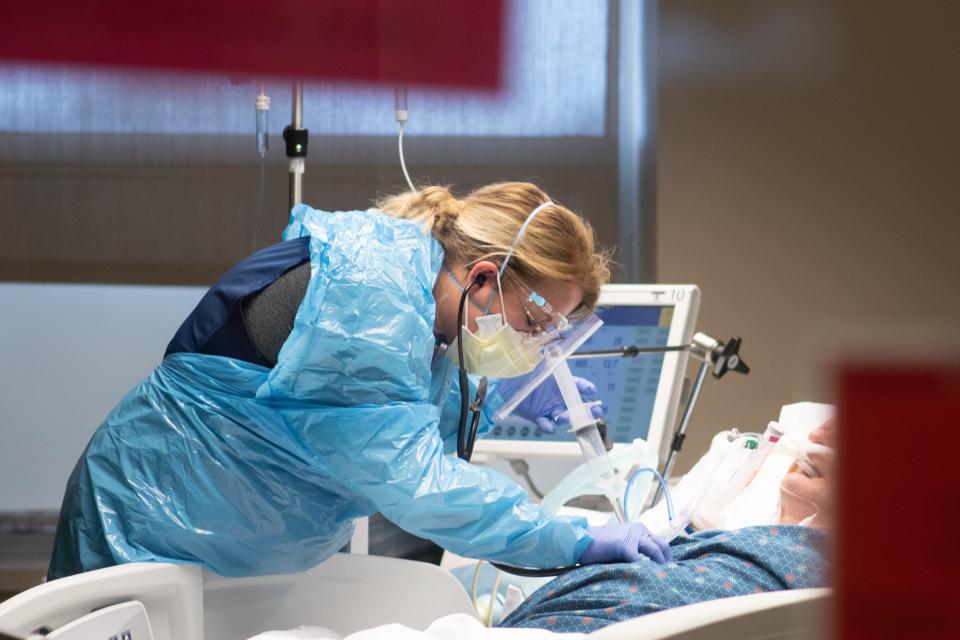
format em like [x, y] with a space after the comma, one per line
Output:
[438, 42]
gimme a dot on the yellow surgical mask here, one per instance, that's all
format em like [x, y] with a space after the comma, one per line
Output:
[496, 350]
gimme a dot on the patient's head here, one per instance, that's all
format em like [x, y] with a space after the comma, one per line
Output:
[809, 500]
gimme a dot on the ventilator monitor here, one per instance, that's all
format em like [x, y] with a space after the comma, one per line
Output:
[641, 394]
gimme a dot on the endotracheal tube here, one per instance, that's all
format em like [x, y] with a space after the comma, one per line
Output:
[588, 437]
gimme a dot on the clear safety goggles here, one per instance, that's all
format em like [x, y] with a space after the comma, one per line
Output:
[542, 319]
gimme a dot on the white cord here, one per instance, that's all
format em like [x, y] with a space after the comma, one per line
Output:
[522, 469]
[493, 598]
[473, 585]
[403, 164]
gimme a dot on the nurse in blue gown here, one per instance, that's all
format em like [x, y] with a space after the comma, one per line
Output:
[311, 386]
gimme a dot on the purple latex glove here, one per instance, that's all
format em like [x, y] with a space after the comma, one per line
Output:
[544, 406]
[625, 542]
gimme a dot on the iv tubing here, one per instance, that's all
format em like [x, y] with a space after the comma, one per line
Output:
[663, 487]
[403, 164]
[474, 583]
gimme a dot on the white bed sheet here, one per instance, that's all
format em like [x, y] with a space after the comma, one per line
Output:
[458, 626]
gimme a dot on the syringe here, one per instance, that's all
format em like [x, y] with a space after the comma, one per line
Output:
[584, 426]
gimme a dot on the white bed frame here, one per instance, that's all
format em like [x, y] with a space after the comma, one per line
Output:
[348, 593]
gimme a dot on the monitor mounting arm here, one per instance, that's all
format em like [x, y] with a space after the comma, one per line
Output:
[715, 356]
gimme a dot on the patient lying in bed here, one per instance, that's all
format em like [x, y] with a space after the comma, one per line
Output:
[707, 565]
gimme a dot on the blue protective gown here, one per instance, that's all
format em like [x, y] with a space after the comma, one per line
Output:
[249, 470]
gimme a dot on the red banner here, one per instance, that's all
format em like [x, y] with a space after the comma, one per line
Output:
[436, 42]
[898, 544]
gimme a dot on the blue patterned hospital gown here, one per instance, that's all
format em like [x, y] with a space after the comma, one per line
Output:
[707, 566]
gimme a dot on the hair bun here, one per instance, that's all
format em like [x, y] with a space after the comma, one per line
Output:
[441, 205]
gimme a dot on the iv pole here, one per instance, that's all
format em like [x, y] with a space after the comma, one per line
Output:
[296, 138]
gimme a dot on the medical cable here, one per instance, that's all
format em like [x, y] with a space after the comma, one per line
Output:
[465, 439]
[475, 597]
[663, 487]
[400, 109]
[542, 573]
[493, 597]
[475, 582]
[403, 164]
[536, 573]
[522, 469]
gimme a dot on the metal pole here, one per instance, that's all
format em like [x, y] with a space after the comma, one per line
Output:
[297, 163]
[631, 351]
[636, 157]
[682, 429]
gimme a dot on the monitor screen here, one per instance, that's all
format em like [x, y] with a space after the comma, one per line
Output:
[626, 386]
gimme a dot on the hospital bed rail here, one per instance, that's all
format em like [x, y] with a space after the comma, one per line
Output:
[350, 592]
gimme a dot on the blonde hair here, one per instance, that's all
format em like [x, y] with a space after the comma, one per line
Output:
[557, 244]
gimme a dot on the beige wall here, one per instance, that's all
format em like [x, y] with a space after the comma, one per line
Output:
[808, 181]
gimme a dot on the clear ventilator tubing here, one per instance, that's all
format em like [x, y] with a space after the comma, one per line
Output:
[584, 426]
[579, 482]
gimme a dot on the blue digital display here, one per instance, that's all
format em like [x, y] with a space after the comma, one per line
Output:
[626, 386]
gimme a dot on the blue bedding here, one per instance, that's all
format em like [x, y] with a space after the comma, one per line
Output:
[707, 566]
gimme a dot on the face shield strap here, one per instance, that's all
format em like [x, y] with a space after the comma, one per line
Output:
[503, 267]
[513, 248]
[503, 308]
[523, 229]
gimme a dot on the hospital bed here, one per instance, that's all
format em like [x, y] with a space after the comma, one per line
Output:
[347, 593]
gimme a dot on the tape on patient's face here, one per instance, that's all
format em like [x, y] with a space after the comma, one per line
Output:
[805, 462]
